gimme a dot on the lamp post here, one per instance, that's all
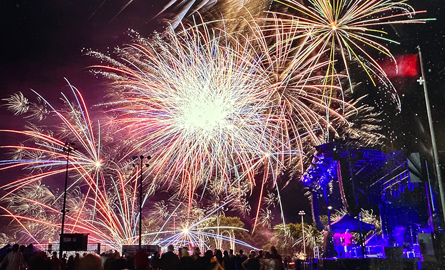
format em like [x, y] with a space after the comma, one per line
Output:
[68, 148]
[141, 157]
[302, 213]
[422, 81]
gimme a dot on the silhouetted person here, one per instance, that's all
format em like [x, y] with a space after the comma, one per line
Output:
[211, 263]
[251, 263]
[198, 261]
[277, 257]
[260, 254]
[141, 260]
[111, 263]
[169, 260]
[240, 258]
[218, 256]
[77, 261]
[91, 261]
[39, 261]
[185, 262]
[70, 263]
[14, 259]
[55, 262]
[156, 261]
[228, 261]
[268, 263]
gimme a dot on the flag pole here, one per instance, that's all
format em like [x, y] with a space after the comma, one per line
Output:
[422, 81]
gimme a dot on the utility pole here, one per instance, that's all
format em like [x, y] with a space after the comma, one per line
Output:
[141, 157]
[67, 149]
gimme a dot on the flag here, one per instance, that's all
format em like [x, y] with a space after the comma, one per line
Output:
[407, 66]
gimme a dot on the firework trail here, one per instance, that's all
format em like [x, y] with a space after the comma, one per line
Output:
[217, 112]
[217, 109]
[204, 110]
[101, 195]
[106, 209]
[230, 14]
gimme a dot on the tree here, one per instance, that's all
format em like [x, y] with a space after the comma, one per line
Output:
[225, 228]
[289, 238]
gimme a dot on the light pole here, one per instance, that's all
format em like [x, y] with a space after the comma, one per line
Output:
[67, 149]
[302, 213]
[141, 157]
[422, 81]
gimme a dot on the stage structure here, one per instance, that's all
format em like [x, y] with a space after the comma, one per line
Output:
[392, 185]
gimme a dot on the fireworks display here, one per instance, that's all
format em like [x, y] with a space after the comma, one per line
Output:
[348, 31]
[221, 111]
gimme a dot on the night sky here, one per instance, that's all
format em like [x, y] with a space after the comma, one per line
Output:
[43, 41]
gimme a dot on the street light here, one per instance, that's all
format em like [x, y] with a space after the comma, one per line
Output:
[302, 213]
[141, 157]
[67, 149]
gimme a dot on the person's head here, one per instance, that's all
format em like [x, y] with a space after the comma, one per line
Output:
[226, 253]
[260, 252]
[15, 247]
[218, 253]
[241, 251]
[54, 254]
[170, 248]
[196, 252]
[208, 254]
[184, 252]
[91, 261]
[273, 250]
[252, 254]
[268, 255]
[22, 248]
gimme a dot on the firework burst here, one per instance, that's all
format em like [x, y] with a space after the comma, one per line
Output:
[204, 110]
[346, 30]
[218, 112]
[101, 195]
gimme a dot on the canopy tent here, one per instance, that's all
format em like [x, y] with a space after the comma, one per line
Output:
[349, 223]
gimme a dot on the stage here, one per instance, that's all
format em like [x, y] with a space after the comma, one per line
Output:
[375, 264]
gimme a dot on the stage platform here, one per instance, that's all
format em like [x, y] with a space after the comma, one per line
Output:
[370, 264]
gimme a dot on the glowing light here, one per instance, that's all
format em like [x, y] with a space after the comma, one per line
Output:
[98, 163]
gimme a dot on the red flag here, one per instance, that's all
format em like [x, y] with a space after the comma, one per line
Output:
[407, 66]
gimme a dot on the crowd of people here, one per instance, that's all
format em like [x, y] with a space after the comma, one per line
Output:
[216, 260]
[21, 258]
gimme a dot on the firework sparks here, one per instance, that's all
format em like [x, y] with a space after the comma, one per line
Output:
[204, 110]
[102, 207]
[217, 112]
[346, 29]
